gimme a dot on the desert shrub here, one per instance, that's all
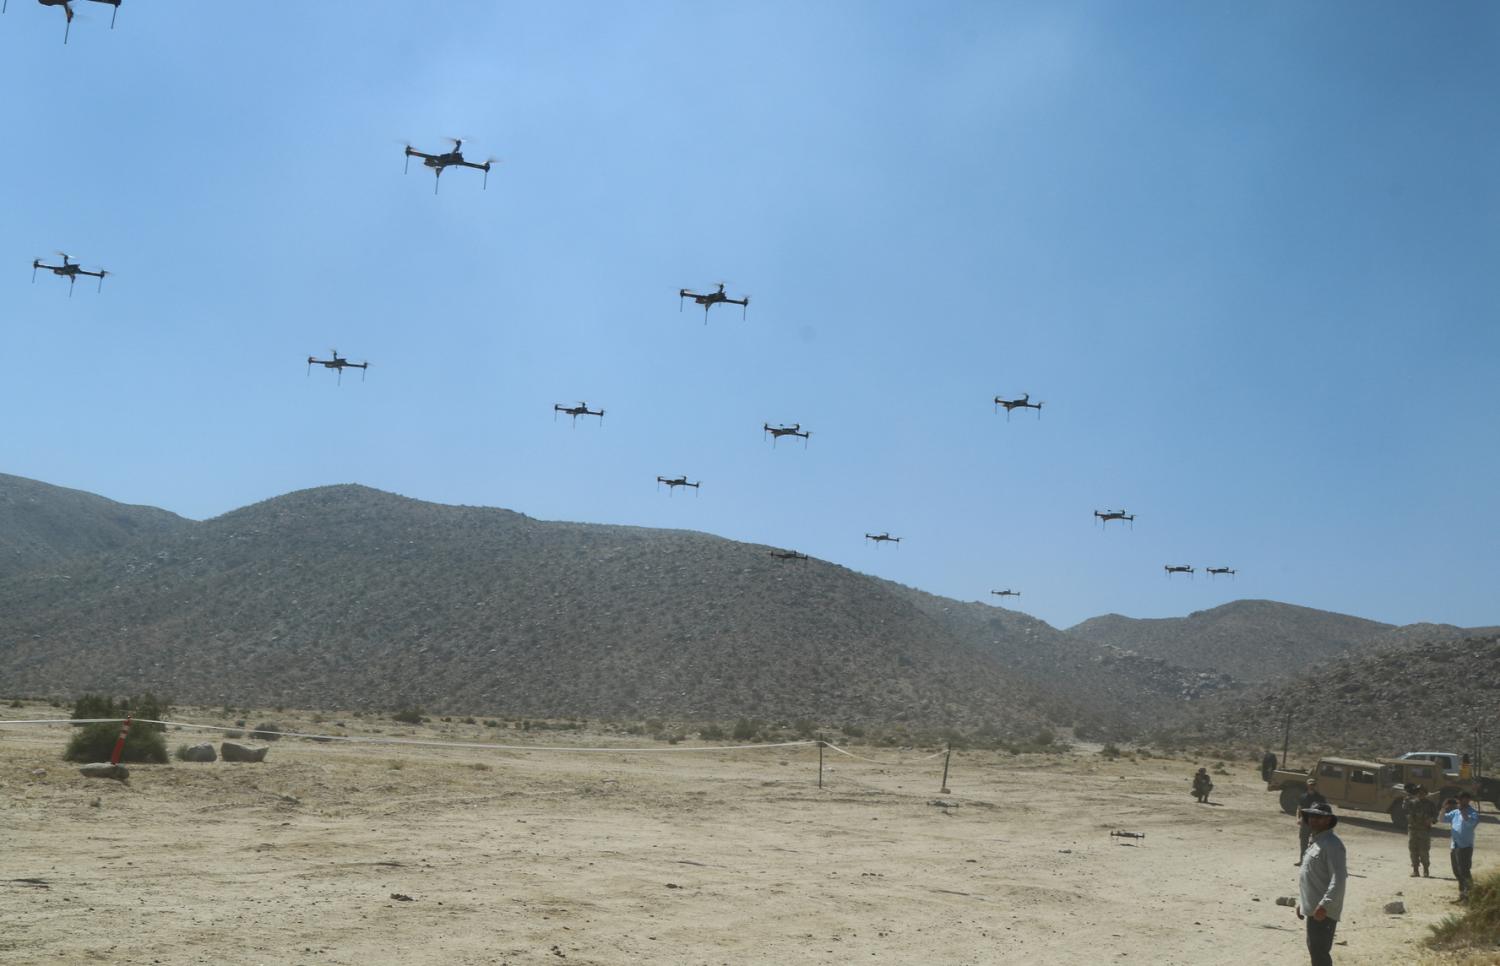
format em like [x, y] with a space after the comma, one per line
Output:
[1044, 738]
[470, 721]
[267, 731]
[1478, 926]
[654, 725]
[16, 703]
[744, 729]
[853, 730]
[712, 733]
[411, 716]
[145, 705]
[805, 727]
[1110, 751]
[234, 733]
[491, 723]
[96, 742]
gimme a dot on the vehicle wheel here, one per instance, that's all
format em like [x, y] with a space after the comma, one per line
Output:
[1398, 815]
[1289, 798]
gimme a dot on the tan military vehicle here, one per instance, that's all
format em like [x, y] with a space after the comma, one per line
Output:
[1366, 786]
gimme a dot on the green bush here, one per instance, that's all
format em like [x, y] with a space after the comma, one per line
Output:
[712, 733]
[145, 705]
[96, 742]
[1110, 751]
[744, 730]
[411, 716]
[1478, 926]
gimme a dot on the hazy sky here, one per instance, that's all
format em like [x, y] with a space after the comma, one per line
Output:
[1246, 253]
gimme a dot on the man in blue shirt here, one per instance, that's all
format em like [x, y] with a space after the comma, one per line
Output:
[1320, 887]
[1463, 817]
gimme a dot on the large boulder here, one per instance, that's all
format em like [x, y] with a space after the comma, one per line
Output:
[236, 752]
[103, 769]
[201, 752]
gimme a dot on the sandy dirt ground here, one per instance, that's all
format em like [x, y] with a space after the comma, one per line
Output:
[696, 858]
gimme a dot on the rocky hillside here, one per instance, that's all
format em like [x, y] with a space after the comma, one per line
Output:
[349, 597]
[1423, 695]
[1251, 640]
[41, 524]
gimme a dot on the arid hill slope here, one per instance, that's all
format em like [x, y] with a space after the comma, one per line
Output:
[41, 524]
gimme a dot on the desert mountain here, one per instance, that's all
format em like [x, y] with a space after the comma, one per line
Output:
[41, 524]
[349, 597]
[1416, 695]
[1251, 640]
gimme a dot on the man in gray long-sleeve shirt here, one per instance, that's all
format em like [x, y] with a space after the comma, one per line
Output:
[1321, 884]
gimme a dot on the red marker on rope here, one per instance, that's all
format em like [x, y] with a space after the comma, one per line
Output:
[114, 759]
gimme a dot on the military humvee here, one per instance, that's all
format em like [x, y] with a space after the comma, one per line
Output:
[1366, 786]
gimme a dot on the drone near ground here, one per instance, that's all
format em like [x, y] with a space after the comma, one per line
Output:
[711, 299]
[674, 484]
[1022, 403]
[454, 158]
[880, 538]
[67, 6]
[1006, 593]
[1108, 515]
[788, 555]
[69, 270]
[582, 409]
[338, 363]
[1178, 569]
[1216, 571]
[793, 430]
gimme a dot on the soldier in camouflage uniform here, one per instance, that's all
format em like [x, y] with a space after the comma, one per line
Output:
[1202, 785]
[1421, 813]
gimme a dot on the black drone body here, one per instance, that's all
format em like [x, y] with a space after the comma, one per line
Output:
[711, 299]
[69, 270]
[448, 159]
[67, 6]
[1178, 569]
[673, 484]
[339, 364]
[1107, 515]
[582, 409]
[880, 538]
[1024, 402]
[788, 555]
[793, 430]
[1006, 593]
[1216, 571]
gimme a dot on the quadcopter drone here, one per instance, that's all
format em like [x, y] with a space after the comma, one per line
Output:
[437, 162]
[1216, 571]
[582, 409]
[1179, 569]
[68, 11]
[711, 299]
[69, 270]
[1006, 593]
[793, 430]
[672, 485]
[880, 538]
[1022, 403]
[788, 555]
[1108, 515]
[338, 363]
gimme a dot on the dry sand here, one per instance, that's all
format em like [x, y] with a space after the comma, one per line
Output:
[715, 857]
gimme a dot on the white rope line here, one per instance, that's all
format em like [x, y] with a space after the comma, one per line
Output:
[877, 761]
[414, 741]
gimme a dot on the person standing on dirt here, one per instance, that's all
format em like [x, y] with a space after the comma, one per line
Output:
[1202, 785]
[1267, 765]
[1421, 813]
[1463, 817]
[1320, 886]
[1309, 798]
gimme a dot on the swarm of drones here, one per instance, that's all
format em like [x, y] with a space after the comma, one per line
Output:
[454, 158]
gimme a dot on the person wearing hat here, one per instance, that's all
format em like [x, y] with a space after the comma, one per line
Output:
[1320, 886]
[1462, 817]
[1421, 812]
[1309, 798]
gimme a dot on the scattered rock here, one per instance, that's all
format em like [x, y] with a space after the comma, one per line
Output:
[943, 803]
[1395, 908]
[200, 752]
[673, 885]
[402, 897]
[103, 769]
[237, 752]
[1286, 901]
[38, 773]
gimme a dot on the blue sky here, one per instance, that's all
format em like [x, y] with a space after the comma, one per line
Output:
[1246, 254]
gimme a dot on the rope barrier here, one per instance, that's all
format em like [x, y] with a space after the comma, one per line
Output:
[418, 741]
[876, 761]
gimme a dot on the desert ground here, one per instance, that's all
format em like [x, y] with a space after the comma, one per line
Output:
[702, 857]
